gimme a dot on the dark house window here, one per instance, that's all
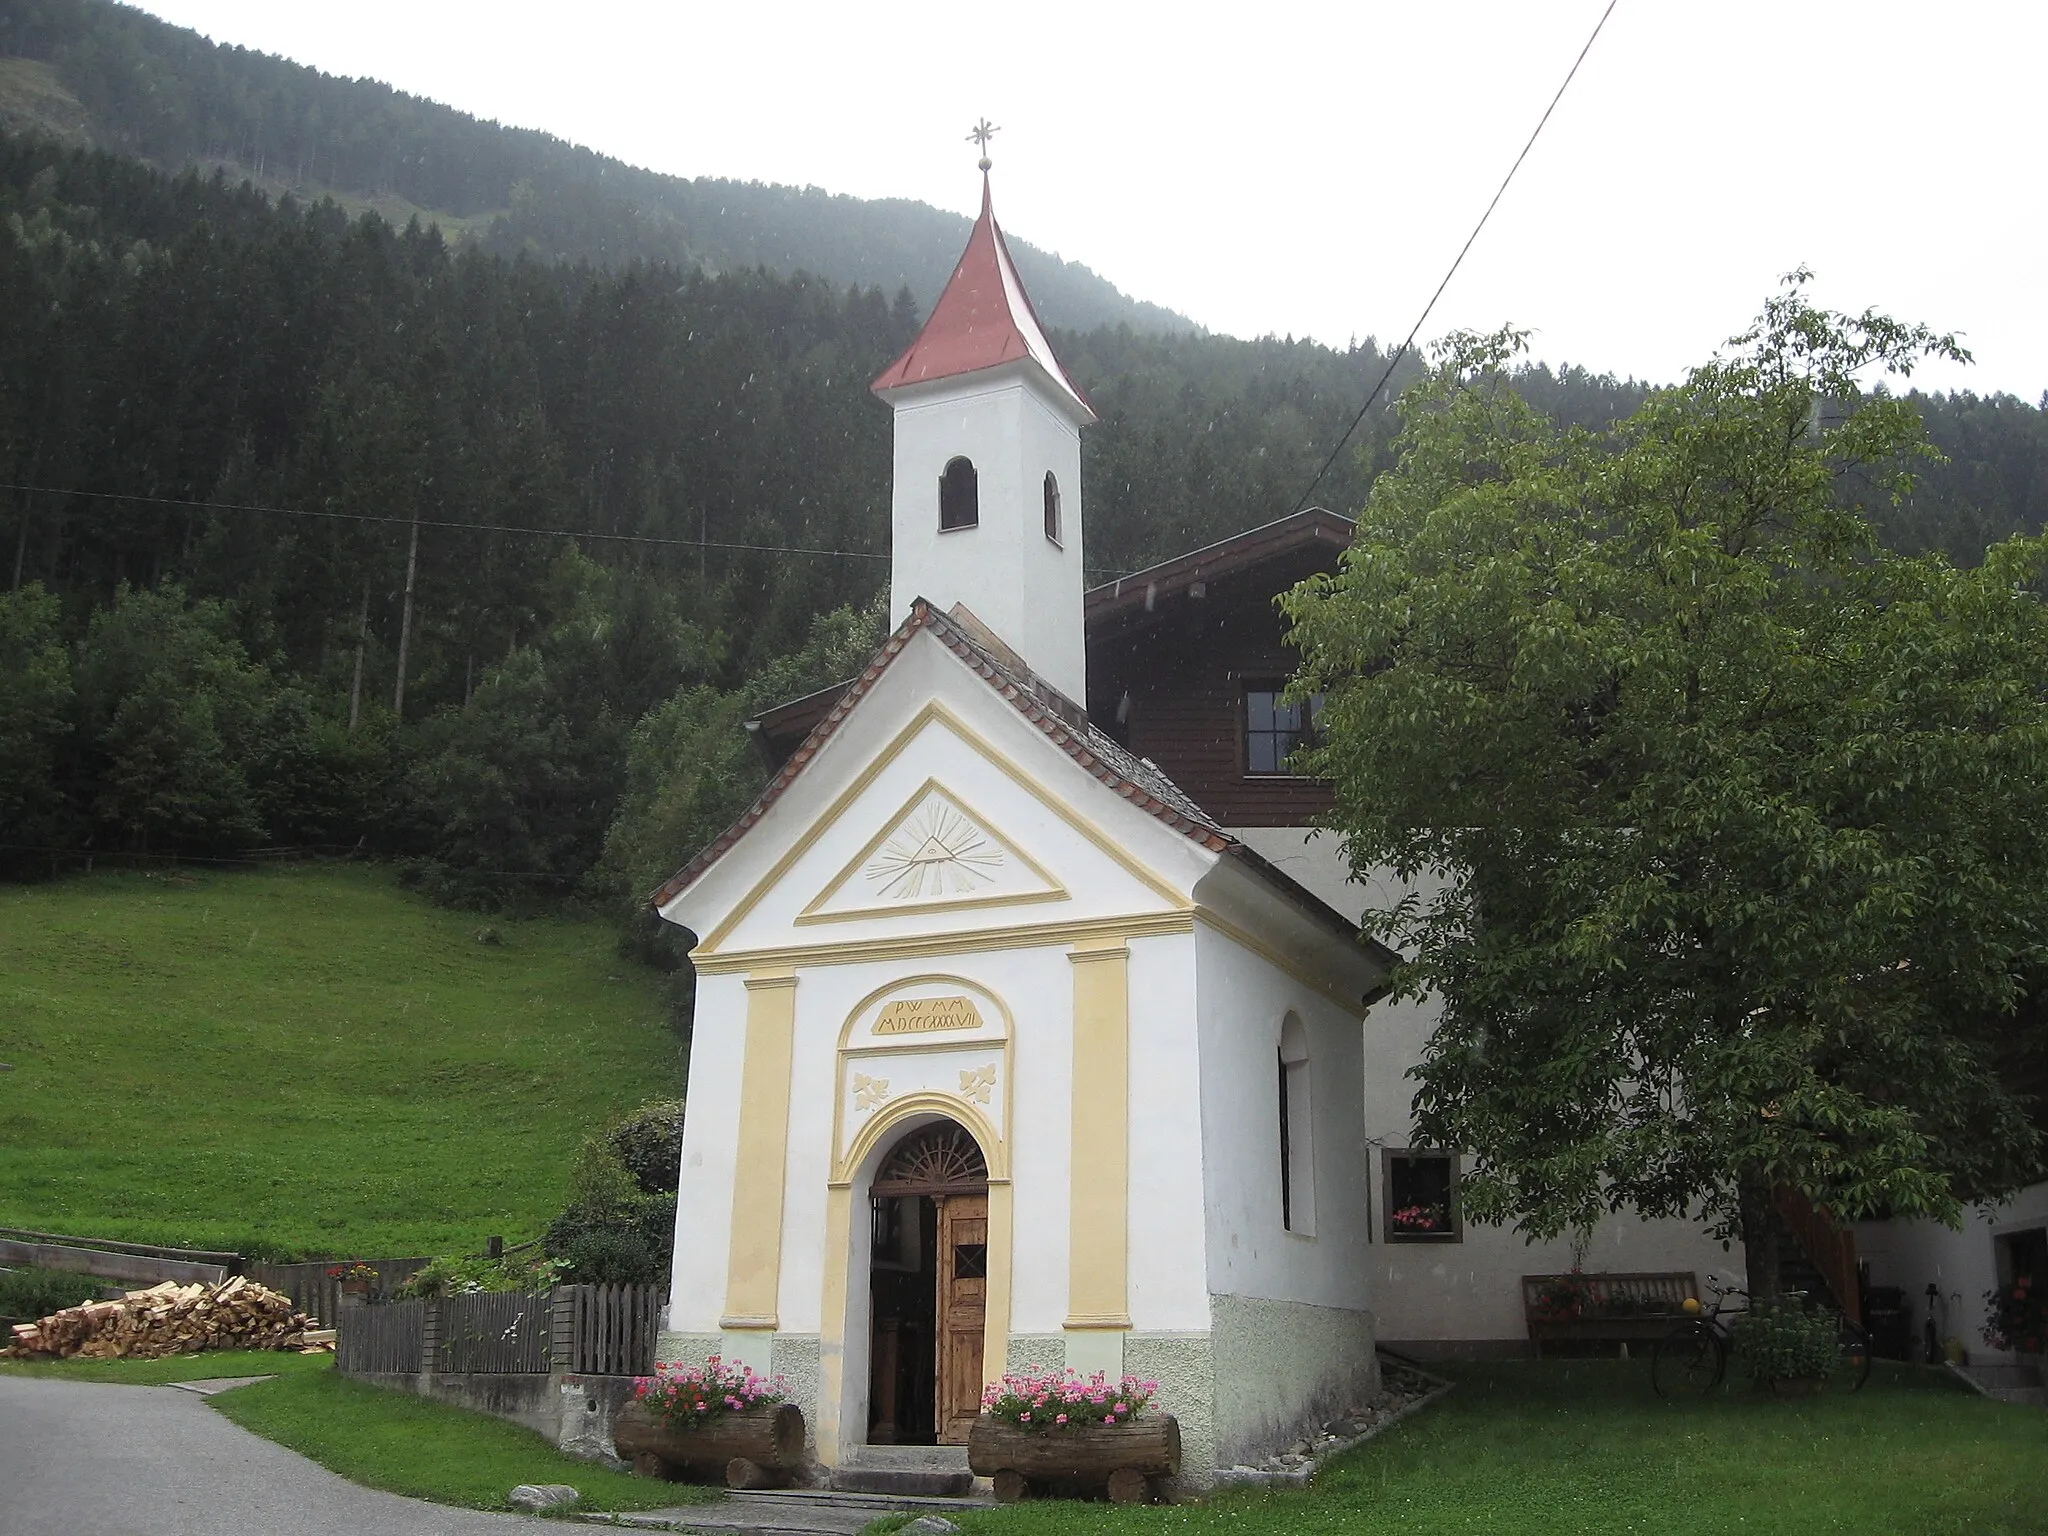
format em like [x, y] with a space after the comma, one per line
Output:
[1421, 1197]
[1052, 507]
[959, 496]
[1273, 728]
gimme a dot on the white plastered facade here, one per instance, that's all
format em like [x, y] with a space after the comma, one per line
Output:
[1210, 961]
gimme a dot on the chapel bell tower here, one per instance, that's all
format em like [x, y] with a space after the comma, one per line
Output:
[986, 509]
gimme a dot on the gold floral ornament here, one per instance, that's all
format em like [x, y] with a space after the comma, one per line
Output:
[868, 1092]
[978, 1083]
[939, 852]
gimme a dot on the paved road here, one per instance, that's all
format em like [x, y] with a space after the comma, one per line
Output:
[89, 1460]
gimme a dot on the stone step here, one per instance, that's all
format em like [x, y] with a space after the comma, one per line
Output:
[913, 1458]
[1996, 1375]
[900, 1471]
[901, 1482]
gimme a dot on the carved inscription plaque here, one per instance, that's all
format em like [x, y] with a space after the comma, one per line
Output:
[927, 1015]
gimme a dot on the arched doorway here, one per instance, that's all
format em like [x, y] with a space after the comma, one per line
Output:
[928, 1287]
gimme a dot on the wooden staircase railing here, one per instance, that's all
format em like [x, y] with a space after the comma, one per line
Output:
[1830, 1247]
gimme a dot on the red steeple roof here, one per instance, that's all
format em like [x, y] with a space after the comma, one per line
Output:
[983, 320]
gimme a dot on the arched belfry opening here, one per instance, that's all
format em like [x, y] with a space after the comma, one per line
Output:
[959, 495]
[1052, 507]
[928, 1287]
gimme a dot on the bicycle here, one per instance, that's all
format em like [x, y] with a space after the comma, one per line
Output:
[1692, 1359]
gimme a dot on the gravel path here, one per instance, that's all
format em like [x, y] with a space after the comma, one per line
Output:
[79, 1459]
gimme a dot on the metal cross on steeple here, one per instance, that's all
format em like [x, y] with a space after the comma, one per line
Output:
[984, 130]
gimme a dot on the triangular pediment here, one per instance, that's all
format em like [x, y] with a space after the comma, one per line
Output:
[935, 853]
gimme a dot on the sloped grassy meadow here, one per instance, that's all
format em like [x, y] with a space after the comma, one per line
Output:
[306, 1059]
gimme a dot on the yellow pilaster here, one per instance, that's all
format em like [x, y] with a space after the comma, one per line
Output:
[1099, 1219]
[754, 1267]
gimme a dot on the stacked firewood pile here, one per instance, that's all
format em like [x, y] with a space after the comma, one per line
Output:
[173, 1319]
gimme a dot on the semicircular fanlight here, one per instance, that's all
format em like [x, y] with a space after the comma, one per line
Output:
[933, 1159]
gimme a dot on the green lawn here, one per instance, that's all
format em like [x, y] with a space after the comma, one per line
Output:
[1530, 1449]
[305, 1057]
[428, 1450]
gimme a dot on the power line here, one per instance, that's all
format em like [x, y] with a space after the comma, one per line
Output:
[1422, 319]
[429, 522]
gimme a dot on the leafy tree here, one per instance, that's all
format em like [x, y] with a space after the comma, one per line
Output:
[35, 708]
[513, 790]
[171, 712]
[691, 768]
[1727, 829]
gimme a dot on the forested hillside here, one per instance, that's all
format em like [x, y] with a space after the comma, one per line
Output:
[104, 74]
[314, 530]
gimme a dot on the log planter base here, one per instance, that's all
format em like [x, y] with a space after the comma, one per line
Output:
[755, 1448]
[1124, 1461]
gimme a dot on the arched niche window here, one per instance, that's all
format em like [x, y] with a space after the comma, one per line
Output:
[959, 496]
[1297, 1133]
[1052, 507]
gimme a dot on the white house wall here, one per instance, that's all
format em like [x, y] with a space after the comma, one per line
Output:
[1291, 1328]
[1243, 1001]
[1168, 1166]
[1467, 1295]
[1961, 1263]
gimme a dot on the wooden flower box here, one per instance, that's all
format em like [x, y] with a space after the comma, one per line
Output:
[1125, 1460]
[753, 1448]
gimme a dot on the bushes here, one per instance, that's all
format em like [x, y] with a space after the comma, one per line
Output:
[1785, 1339]
[34, 1293]
[620, 1228]
[649, 1142]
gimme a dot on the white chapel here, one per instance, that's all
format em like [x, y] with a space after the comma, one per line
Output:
[1006, 1051]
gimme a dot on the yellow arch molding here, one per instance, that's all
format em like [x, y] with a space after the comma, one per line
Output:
[925, 1102]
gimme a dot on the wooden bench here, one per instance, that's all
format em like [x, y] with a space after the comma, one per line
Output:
[1614, 1309]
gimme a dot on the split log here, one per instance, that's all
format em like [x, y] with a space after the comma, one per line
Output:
[1080, 1453]
[760, 1446]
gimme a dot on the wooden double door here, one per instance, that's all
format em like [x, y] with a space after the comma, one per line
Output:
[929, 1289]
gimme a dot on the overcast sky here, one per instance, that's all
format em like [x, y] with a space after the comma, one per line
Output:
[1312, 168]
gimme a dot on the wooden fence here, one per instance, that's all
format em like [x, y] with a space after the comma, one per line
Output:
[611, 1328]
[318, 1295]
[389, 1338]
[594, 1330]
[495, 1333]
